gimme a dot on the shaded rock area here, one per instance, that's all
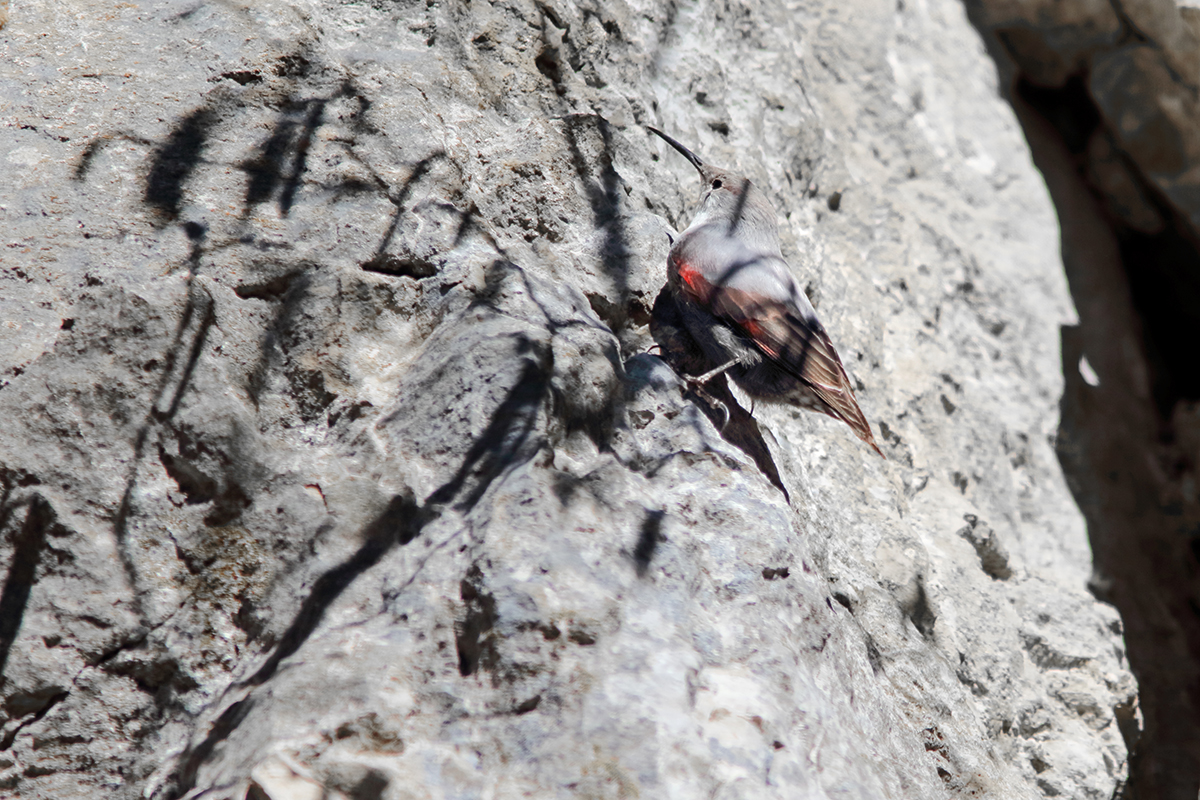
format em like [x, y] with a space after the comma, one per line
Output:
[1107, 97]
[339, 461]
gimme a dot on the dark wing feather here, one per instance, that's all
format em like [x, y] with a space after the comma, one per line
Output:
[799, 346]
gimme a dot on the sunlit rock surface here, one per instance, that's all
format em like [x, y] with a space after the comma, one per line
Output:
[337, 460]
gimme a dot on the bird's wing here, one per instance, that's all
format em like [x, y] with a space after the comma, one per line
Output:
[797, 342]
[755, 293]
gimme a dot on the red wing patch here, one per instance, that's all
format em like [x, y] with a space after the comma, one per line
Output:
[694, 283]
[756, 332]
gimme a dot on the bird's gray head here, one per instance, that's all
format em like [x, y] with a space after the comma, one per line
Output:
[730, 198]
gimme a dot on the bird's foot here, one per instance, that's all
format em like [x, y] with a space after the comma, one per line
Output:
[712, 373]
[697, 387]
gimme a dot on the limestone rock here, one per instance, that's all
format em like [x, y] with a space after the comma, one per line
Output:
[1113, 129]
[335, 462]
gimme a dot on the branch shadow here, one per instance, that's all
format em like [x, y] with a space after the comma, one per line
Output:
[281, 160]
[605, 202]
[198, 308]
[96, 146]
[27, 544]
[649, 537]
[381, 261]
[597, 422]
[173, 161]
[740, 209]
[504, 444]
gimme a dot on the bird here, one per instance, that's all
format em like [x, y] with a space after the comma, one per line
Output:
[741, 305]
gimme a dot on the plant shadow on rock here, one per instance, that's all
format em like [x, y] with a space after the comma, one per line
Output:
[28, 544]
[649, 538]
[281, 160]
[505, 443]
[290, 327]
[174, 160]
[275, 169]
[388, 264]
[473, 637]
[197, 319]
[605, 202]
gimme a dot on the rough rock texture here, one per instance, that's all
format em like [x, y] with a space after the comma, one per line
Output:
[1107, 95]
[336, 465]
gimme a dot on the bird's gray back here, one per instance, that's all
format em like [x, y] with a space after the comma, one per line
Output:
[728, 262]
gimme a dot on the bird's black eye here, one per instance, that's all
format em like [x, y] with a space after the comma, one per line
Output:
[717, 183]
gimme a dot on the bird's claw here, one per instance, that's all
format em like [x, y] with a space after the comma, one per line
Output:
[697, 387]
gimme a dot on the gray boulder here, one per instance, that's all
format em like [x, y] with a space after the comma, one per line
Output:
[339, 460]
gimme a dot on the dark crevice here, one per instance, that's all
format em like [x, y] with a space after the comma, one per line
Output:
[228, 506]
[1068, 108]
[1162, 267]
[920, 612]
[196, 486]
[1164, 280]
[269, 289]
[874, 657]
[1137, 291]
[528, 705]
[243, 77]
[993, 557]
[388, 264]
[581, 636]
[547, 64]
[49, 703]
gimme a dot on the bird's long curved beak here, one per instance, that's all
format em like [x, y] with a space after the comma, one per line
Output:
[688, 154]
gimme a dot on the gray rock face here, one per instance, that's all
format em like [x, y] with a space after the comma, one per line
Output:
[336, 465]
[1107, 99]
